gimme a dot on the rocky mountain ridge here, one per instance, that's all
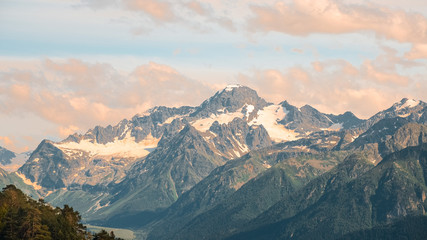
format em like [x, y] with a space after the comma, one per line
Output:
[187, 161]
[113, 149]
[11, 161]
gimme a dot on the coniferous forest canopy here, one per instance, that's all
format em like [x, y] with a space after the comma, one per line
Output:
[24, 218]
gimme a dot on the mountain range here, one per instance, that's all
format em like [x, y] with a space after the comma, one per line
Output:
[238, 167]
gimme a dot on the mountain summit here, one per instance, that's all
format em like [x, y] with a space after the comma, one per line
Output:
[231, 99]
[414, 110]
[225, 149]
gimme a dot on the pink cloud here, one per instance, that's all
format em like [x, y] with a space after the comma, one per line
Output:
[371, 72]
[75, 95]
[317, 66]
[199, 15]
[158, 10]
[418, 51]
[305, 17]
[7, 142]
[337, 86]
[65, 131]
[168, 86]
[196, 7]
[20, 92]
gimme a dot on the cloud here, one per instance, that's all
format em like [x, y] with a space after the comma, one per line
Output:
[159, 11]
[418, 51]
[305, 17]
[196, 7]
[76, 95]
[294, 17]
[298, 50]
[65, 131]
[369, 71]
[317, 66]
[7, 142]
[201, 16]
[16, 145]
[164, 85]
[97, 4]
[335, 86]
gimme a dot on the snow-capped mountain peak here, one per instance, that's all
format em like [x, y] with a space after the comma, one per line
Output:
[230, 100]
[407, 103]
[411, 109]
[229, 88]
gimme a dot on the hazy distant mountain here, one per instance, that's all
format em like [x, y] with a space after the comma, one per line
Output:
[6, 156]
[11, 161]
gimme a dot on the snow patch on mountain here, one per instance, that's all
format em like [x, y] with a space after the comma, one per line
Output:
[126, 147]
[404, 115]
[249, 110]
[242, 147]
[230, 88]
[269, 118]
[410, 103]
[334, 127]
[204, 124]
[170, 120]
[28, 181]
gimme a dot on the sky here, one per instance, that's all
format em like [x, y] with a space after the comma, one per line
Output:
[69, 65]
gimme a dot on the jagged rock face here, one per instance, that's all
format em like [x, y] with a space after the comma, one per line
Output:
[6, 156]
[180, 162]
[257, 137]
[48, 166]
[348, 120]
[102, 155]
[317, 141]
[412, 110]
[389, 135]
[173, 168]
[231, 99]
[423, 118]
[161, 119]
[237, 138]
[411, 134]
[308, 119]
[312, 118]
[156, 122]
[53, 168]
[379, 132]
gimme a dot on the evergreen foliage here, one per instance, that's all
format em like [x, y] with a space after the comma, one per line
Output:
[24, 218]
